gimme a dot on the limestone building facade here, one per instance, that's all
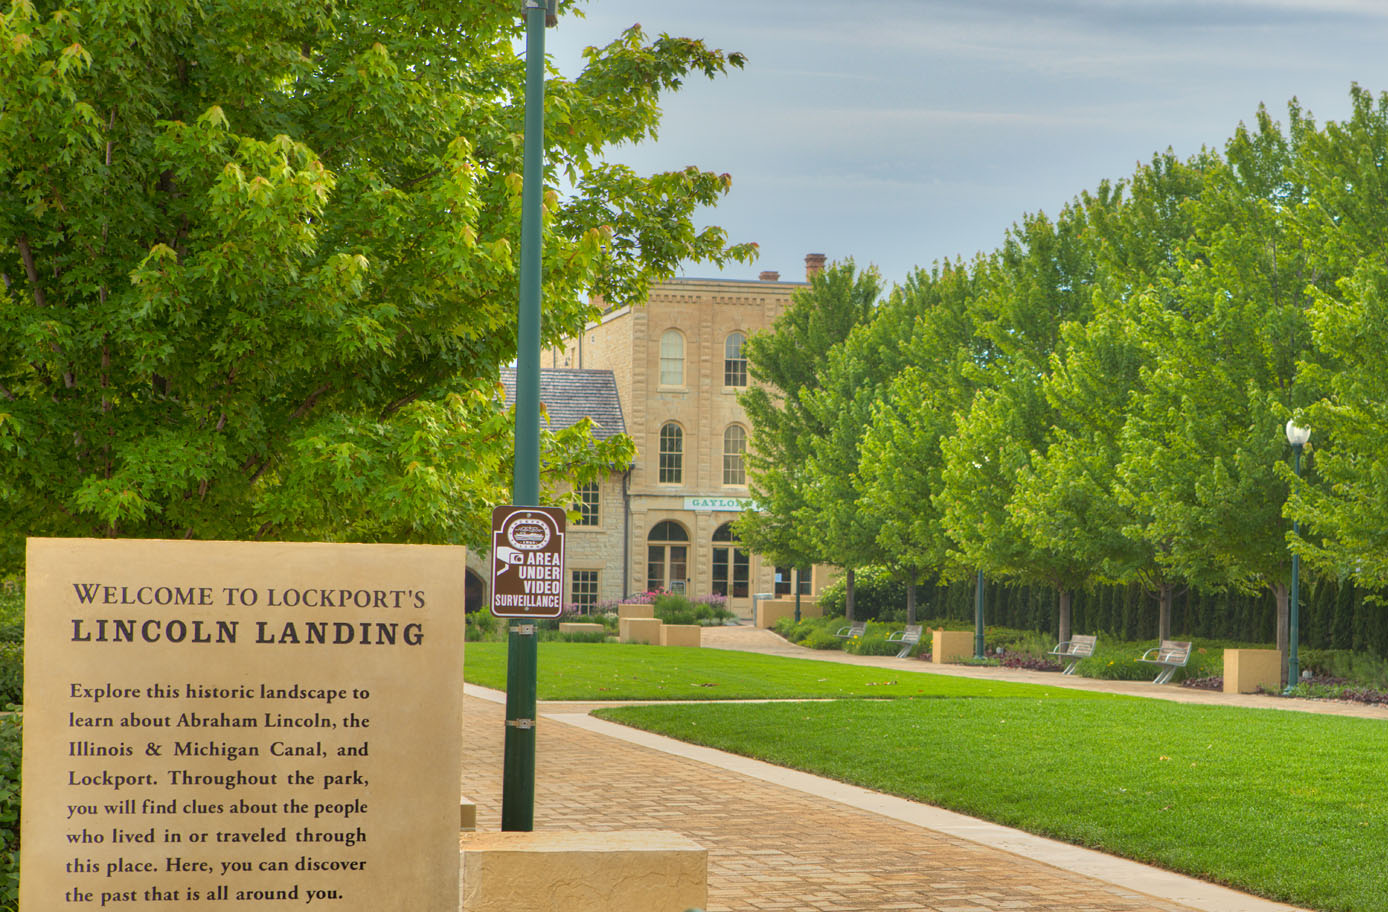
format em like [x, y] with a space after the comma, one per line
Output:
[677, 366]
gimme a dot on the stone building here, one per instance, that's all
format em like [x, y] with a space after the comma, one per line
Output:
[677, 365]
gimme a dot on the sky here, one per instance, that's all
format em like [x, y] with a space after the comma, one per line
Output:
[902, 134]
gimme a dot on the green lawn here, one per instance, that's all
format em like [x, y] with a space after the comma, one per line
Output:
[610, 671]
[1286, 805]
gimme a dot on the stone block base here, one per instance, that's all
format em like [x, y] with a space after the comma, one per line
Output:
[580, 627]
[1245, 669]
[681, 635]
[769, 611]
[639, 630]
[950, 646]
[620, 871]
[635, 611]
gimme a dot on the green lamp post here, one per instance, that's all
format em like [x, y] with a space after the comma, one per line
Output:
[979, 649]
[518, 763]
[1298, 437]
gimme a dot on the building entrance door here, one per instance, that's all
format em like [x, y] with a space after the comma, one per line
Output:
[732, 569]
[667, 558]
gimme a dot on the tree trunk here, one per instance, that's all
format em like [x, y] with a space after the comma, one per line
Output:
[911, 601]
[1284, 621]
[848, 599]
[1064, 615]
[1168, 595]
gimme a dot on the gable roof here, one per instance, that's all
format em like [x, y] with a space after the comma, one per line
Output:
[570, 395]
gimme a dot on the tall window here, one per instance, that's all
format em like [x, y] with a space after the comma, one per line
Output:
[734, 361]
[671, 454]
[731, 565]
[734, 446]
[672, 358]
[586, 503]
[785, 580]
[667, 557]
[585, 590]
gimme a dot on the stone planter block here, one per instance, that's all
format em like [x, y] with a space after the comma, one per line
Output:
[1245, 669]
[618, 871]
[580, 627]
[635, 611]
[681, 635]
[769, 611]
[950, 646]
[639, 630]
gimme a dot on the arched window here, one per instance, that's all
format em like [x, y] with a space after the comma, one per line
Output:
[672, 358]
[734, 447]
[734, 361]
[669, 531]
[671, 467]
[731, 564]
[667, 557]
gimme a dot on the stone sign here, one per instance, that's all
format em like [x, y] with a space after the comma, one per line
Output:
[240, 725]
[528, 562]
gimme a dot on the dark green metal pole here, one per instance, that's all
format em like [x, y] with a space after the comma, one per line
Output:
[978, 618]
[518, 766]
[797, 595]
[1294, 609]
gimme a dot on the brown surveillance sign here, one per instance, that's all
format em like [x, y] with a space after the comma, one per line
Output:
[527, 562]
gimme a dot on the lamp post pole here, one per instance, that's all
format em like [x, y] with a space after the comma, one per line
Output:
[978, 618]
[1297, 437]
[518, 763]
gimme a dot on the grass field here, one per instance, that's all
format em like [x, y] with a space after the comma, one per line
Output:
[610, 671]
[1283, 804]
[1286, 805]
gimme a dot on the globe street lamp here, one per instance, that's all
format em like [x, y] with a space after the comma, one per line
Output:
[1297, 436]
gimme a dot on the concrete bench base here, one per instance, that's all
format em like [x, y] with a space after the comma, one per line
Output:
[681, 635]
[1246, 669]
[619, 871]
[950, 646]
[639, 630]
[580, 627]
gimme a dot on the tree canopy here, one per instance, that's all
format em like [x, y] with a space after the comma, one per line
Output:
[1102, 398]
[258, 260]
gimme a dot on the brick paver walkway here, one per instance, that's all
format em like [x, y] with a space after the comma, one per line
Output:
[786, 841]
[771, 847]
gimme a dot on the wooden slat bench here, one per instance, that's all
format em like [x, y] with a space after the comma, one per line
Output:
[1170, 655]
[1073, 650]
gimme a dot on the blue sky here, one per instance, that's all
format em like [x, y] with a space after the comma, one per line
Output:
[904, 133]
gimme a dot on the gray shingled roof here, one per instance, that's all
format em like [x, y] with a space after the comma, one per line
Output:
[569, 395]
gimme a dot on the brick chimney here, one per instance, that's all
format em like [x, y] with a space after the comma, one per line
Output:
[814, 264]
[770, 275]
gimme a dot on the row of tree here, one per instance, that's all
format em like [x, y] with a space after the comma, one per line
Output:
[1102, 398]
[258, 260]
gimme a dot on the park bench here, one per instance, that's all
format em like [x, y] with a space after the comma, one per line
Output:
[855, 629]
[1074, 649]
[907, 638]
[1171, 655]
